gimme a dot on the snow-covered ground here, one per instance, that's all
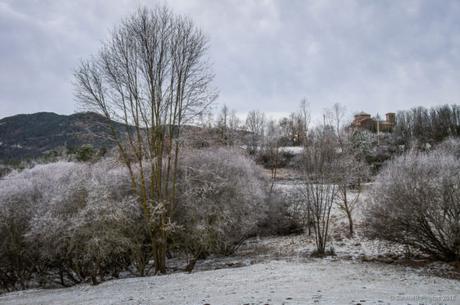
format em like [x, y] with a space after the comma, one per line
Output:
[319, 281]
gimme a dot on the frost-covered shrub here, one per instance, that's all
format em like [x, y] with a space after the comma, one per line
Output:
[22, 195]
[17, 256]
[4, 170]
[283, 214]
[451, 146]
[269, 157]
[221, 200]
[68, 222]
[416, 201]
[90, 242]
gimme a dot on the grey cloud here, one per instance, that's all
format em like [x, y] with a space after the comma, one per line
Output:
[268, 54]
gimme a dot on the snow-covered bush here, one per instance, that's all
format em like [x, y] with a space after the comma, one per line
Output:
[283, 214]
[451, 146]
[17, 256]
[416, 201]
[221, 200]
[68, 222]
[4, 170]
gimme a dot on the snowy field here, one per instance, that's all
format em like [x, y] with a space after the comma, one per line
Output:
[317, 281]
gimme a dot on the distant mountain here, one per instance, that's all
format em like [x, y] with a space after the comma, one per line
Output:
[41, 134]
[27, 136]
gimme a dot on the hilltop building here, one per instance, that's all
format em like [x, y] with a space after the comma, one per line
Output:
[364, 120]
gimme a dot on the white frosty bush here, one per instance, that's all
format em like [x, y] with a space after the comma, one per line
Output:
[16, 255]
[67, 222]
[416, 201]
[221, 201]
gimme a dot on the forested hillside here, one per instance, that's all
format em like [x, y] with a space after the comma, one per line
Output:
[36, 135]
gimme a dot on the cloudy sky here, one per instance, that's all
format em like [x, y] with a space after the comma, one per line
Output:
[372, 55]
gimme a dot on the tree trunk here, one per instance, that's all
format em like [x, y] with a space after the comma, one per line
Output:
[191, 264]
[159, 248]
[350, 223]
[347, 208]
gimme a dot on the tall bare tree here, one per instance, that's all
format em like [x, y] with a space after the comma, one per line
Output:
[350, 174]
[319, 191]
[271, 145]
[255, 124]
[294, 128]
[152, 76]
[335, 117]
[304, 119]
[222, 124]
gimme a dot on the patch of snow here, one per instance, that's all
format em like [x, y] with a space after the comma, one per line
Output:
[295, 150]
[276, 282]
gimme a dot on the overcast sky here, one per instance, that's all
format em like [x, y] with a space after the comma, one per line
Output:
[374, 55]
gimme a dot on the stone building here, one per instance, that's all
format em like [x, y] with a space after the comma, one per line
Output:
[364, 120]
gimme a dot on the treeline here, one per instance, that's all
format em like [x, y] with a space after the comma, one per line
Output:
[422, 125]
[427, 125]
[257, 129]
[419, 127]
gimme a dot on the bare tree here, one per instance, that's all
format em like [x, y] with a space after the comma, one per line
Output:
[152, 76]
[255, 124]
[234, 122]
[320, 196]
[319, 191]
[222, 123]
[294, 128]
[350, 173]
[234, 125]
[335, 117]
[271, 145]
[228, 124]
[304, 118]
